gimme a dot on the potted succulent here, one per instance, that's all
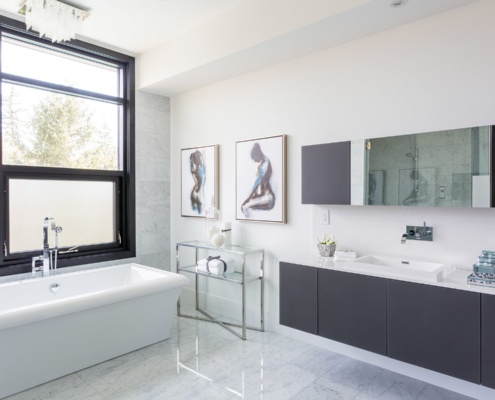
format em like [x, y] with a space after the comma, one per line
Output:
[327, 246]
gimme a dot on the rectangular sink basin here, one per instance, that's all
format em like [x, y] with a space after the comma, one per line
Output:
[398, 267]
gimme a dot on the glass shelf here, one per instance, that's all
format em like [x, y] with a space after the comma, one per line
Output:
[235, 277]
[234, 249]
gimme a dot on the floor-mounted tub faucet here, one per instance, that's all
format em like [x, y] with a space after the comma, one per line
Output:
[49, 256]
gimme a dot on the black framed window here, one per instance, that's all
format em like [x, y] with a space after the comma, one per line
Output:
[67, 149]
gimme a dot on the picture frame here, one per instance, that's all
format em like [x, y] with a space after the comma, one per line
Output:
[261, 179]
[199, 180]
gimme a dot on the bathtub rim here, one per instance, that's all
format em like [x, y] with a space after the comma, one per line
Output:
[37, 312]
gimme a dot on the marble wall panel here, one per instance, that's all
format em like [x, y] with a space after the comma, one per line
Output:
[153, 180]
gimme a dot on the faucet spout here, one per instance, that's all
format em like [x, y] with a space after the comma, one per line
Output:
[47, 222]
[404, 238]
[48, 253]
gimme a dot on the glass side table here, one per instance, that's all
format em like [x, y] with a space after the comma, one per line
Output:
[239, 277]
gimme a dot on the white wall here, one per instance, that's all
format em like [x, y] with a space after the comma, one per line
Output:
[430, 75]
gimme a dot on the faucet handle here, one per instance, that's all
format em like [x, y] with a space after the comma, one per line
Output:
[422, 233]
[35, 268]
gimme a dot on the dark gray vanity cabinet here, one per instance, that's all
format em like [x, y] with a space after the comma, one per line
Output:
[326, 173]
[435, 328]
[352, 309]
[298, 297]
[488, 340]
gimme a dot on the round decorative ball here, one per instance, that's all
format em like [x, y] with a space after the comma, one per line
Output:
[218, 240]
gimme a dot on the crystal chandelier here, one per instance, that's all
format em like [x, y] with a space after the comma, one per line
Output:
[51, 18]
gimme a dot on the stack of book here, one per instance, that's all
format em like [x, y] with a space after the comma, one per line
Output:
[483, 270]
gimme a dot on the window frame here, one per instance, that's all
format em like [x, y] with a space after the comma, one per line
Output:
[125, 206]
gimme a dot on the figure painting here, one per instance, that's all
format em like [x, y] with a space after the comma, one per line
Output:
[260, 179]
[199, 182]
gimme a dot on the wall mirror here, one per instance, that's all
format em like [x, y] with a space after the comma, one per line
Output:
[446, 168]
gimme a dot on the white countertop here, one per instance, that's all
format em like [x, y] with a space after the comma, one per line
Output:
[454, 279]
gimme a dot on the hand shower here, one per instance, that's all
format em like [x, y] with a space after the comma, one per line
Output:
[57, 229]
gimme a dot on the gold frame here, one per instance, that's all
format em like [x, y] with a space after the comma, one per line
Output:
[279, 157]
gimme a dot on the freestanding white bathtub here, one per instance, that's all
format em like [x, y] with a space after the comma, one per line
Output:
[53, 326]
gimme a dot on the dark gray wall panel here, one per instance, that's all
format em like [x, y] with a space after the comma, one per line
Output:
[435, 328]
[298, 297]
[352, 309]
[326, 173]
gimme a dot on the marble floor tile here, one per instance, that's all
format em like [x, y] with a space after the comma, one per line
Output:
[388, 385]
[132, 375]
[324, 389]
[50, 389]
[115, 364]
[203, 361]
[282, 383]
[317, 361]
[355, 374]
[431, 392]
[79, 392]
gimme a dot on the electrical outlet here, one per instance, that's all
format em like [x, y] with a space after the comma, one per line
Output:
[441, 192]
[325, 217]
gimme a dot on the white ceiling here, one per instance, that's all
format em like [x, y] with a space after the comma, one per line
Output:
[139, 25]
[185, 44]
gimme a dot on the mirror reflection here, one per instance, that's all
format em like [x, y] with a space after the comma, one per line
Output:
[446, 168]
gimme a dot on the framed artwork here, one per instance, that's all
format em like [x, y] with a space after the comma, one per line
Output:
[261, 180]
[199, 180]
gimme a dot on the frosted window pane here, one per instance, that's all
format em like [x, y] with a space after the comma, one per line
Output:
[84, 209]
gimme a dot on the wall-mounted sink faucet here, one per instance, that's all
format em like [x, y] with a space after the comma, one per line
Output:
[418, 233]
[49, 256]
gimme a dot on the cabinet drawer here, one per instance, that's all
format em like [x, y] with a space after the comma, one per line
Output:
[298, 297]
[435, 328]
[352, 309]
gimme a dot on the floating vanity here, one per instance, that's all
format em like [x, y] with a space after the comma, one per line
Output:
[422, 313]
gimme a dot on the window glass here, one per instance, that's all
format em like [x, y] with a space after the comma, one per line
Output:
[84, 209]
[35, 62]
[66, 149]
[47, 129]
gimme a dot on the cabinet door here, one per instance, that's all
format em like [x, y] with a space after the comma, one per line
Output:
[352, 309]
[488, 340]
[298, 297]
[435, 328]
[326, 173]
